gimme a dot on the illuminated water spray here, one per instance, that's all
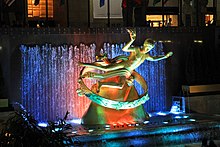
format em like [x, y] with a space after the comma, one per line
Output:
[49, 79]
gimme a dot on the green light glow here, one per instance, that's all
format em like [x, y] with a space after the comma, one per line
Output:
[116, 104]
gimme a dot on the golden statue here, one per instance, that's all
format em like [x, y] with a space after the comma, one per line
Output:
[114, 98]
[125, 66]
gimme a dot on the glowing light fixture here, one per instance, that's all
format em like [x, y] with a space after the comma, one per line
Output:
[177, 117]
[57, 129]
[91, 130]
[198, 41]
[74, 132]
[161, 113]
[178, 105]
[192, 119]
[146, 122]
[42, 125]
[169, 41]
[185, 116]
[107, 126]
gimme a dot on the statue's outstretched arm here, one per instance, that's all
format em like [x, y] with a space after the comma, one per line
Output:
[127, 47]
[157, 58]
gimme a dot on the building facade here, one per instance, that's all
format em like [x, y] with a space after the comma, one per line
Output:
[66, 13]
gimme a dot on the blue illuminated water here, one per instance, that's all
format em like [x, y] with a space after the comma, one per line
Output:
[49, 80]
[50, 73]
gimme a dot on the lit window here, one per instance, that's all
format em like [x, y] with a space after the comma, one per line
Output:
[40, 9]
[209, 19]
[157, 20]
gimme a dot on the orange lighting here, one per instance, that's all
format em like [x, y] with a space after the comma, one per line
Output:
[209, 18]
[40, 9]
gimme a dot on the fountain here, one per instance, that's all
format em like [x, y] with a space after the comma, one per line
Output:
[50, 73]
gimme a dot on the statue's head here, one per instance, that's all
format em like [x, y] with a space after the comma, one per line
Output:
[148, 45]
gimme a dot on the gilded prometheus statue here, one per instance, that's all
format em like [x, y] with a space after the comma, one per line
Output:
[123, 67]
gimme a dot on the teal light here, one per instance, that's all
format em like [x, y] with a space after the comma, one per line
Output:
[111, 103]
[185, 116]
[177, 117]
[192, 120]
[57, 129]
